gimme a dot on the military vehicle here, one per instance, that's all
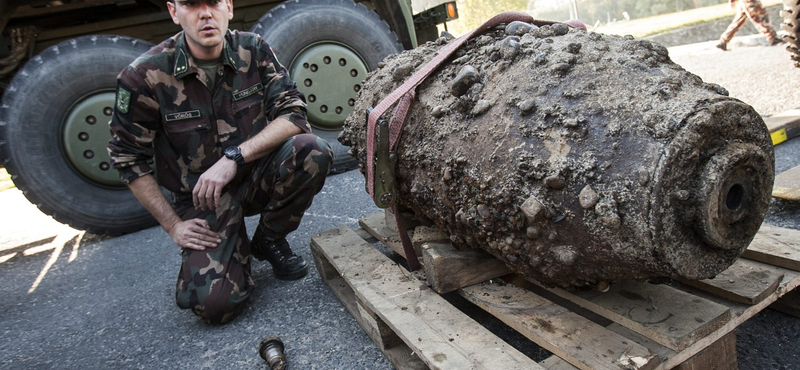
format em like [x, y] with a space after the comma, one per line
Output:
[59, 60]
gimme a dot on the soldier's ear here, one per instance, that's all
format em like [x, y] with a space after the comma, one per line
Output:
[172, 12]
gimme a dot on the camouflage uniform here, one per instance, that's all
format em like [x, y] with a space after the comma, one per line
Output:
[749, 9]
[167, 110]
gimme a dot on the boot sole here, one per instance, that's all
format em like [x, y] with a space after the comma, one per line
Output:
[292, 275]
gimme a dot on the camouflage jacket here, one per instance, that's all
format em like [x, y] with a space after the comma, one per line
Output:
[165, 109]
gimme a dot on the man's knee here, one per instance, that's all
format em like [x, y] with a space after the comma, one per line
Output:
[219, 310]
[217, 307]
[314, 153]
[214, 291]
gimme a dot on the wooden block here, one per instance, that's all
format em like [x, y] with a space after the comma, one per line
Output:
[326, 270]
[566, 334]
[449, 269]
[775, 246]
[670, 317]
[426, 234]
[789, 303]
[744, 282]
[787, 184]
[783, 126]
[719, 356]
[441, 335]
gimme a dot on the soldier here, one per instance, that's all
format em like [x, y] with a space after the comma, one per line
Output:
[227, 129]
[749, 9]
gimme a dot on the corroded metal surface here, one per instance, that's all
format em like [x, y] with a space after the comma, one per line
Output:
[578, 159]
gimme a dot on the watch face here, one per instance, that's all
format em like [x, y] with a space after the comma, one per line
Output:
[231, 152]
[234, 153]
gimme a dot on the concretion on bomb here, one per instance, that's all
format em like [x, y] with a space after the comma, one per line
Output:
[576, 158]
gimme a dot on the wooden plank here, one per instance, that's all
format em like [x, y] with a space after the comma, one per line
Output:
[784, 125]
[744, 282]
[721, 355]
[557, 363]
[670, 317]
[740, 313]
[448, 269]
[789, 303]
[383, 336]
[787, 184]
[407, 218]
[441, 335]
[575, 339]
[776, 246]
[400, 355]
[376, 225]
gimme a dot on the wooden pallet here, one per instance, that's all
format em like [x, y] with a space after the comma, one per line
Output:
[687, 325]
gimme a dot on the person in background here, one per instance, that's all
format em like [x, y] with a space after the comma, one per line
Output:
[753, 10]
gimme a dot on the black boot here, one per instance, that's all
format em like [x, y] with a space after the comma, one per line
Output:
[286, 265]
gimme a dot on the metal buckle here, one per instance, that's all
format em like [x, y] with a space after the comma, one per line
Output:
[384, 186]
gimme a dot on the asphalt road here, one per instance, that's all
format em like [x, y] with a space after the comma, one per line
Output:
[71, 300]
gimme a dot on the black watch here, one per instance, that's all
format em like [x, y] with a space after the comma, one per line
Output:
[234, 153]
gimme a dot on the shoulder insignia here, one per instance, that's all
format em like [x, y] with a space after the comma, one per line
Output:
[123, 100]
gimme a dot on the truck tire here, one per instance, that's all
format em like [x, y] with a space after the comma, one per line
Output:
[791, 24]
[328, 46]
[54, 130]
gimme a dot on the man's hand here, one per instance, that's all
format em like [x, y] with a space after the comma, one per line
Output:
[194, 234]
[209, 186]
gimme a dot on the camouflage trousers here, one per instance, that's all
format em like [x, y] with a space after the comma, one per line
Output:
[750, 9]
[215, 283]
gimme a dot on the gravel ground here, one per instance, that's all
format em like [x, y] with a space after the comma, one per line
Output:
[73, 300]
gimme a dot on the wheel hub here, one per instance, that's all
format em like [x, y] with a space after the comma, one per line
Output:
[330, 77]
[86, 137]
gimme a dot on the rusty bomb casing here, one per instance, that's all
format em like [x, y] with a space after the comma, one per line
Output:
[577, 158]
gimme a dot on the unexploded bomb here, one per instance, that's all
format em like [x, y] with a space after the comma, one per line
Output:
[595, 155]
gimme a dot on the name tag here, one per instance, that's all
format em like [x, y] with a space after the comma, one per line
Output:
[239, 95]
[182, 115]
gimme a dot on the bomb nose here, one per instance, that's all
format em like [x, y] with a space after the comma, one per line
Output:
[729, 209]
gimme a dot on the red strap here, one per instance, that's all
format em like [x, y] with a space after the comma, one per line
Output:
[405, 94]
[408, 248]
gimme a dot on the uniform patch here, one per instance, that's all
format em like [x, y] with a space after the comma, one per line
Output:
[182, 115]
[239, 95]
[123, 100]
